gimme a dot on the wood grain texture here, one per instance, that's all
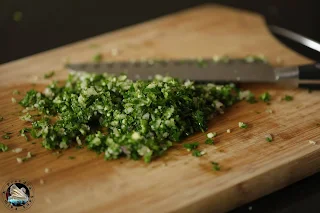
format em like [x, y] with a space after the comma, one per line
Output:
[177, 182]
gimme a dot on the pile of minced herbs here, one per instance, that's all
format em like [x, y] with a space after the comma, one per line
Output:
[120, 117]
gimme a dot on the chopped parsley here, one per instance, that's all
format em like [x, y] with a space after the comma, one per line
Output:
[24, 131]
[191, 146]
[6, 135]
[215, 166]
[72, 157]
[265, 97]
[243, 125]
[197, 153]
[97, 58]
[115, 116]
[209, 141]
[49, 75]
[1, 118]
[248, 96]
[287, 98]
[3, 147]
[268, 137]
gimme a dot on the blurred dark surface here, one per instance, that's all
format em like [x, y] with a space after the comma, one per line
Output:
[49, 24]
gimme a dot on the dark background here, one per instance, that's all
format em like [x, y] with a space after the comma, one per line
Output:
[49, 24]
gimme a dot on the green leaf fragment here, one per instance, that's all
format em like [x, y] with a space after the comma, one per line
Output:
[191, 146]
[265, 97]
[215, 166]
[196, 153]
[49, 75]
[3, 147]
[287, 98]
[209, 141]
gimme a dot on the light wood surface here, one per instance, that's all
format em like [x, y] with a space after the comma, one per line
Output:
[177, 182]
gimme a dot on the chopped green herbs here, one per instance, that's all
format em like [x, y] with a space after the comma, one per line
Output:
[191, 146]
[24, 131]
[209, 141]
[118, 117]
[3, 147]
[7, 135]
[17, 16]
[49, 75]
[215, 166]
[1, 118]
[248, 96]
[72, 157]
[265, 97]
[287, 98]
[196, 153]
[268, 137]
[97, 58]
[243, 125]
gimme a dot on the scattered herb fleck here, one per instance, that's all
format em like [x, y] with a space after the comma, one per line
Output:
[6, 136]
[97, 58]
[265, 97]
[269, 137]
[191, 146]
[215, 166]
[243, 125]
[72, 157]
[1, 118]
[287, 98]
[3, 147]
[196, 153]
[248, 96]
[49, 75]
[23, 133]
[209, 141]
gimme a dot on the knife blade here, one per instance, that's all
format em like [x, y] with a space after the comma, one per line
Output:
[208, 70]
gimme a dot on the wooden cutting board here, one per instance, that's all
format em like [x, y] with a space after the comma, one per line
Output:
[177, 182]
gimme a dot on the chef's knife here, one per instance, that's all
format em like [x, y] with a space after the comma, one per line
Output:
[209, 70]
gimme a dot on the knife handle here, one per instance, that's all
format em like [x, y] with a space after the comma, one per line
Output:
[309, 76]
